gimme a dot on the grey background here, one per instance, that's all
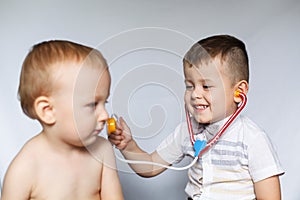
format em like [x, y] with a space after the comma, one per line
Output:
[143, 42]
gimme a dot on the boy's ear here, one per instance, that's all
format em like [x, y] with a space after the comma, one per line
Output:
[241, 86]
[44, 110]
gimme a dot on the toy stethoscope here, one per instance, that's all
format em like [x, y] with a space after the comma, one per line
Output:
[200, 146]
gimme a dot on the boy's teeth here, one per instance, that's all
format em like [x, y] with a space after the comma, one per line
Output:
[201, 107]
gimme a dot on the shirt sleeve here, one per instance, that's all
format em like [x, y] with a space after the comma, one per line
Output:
[170, 149]
[263, 160]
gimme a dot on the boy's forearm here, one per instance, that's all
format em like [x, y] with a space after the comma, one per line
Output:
[134, 152]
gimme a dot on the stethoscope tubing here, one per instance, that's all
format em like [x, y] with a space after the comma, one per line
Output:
[223, 128]
[192, 137]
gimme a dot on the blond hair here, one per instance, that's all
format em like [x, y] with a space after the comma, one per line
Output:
[37, 69]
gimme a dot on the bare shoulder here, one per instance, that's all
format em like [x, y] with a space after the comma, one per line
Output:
[110, 183]
[100, 145]
[102, 150]
[26, 156]
[21, 171]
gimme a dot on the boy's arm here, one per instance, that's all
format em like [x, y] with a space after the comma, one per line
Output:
[17, 184]
[268, 188]
[123, 140]
[110, 184]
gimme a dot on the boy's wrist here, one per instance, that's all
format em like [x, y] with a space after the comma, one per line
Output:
[130, 147]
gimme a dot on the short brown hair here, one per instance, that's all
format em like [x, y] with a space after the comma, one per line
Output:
[230, 49]
[38, 66]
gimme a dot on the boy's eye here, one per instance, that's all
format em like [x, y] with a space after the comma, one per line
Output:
[93, 105]
[189, 87]
[207, 86]
[96, 103]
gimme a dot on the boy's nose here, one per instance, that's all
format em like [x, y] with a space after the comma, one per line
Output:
[197, 93]
[102, 115]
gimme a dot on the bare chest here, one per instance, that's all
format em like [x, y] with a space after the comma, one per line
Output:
[67, 179]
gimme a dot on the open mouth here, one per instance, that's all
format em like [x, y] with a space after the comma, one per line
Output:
[200, 107]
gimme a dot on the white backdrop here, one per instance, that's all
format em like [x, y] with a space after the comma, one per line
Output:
[143, 42]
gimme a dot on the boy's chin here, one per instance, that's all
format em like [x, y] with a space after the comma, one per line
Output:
[89, 141]
[203, 120]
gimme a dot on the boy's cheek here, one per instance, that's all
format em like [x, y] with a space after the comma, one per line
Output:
[187, 97]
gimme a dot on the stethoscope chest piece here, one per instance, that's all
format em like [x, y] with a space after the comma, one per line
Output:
[111, 125]
[199, 145]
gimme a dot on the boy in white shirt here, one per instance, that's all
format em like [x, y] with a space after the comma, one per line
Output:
[242, 163]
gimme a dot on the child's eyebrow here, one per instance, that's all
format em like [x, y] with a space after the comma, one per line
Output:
[187, 81]
[200, 80]
[207, 80]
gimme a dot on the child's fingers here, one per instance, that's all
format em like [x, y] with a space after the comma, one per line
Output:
[118, 132]
[123, 123]
[117, 135]
[114, 141]
[117, 143]
[121, 136]
[118, 126]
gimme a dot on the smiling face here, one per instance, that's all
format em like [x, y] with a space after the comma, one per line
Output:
[79, 102]
[209, 94]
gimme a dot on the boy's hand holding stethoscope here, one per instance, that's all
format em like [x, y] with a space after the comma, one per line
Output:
[119, 134]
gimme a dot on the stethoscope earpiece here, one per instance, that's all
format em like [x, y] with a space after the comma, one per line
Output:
[237, 93]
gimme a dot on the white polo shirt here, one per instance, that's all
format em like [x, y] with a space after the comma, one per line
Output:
[243, 155]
